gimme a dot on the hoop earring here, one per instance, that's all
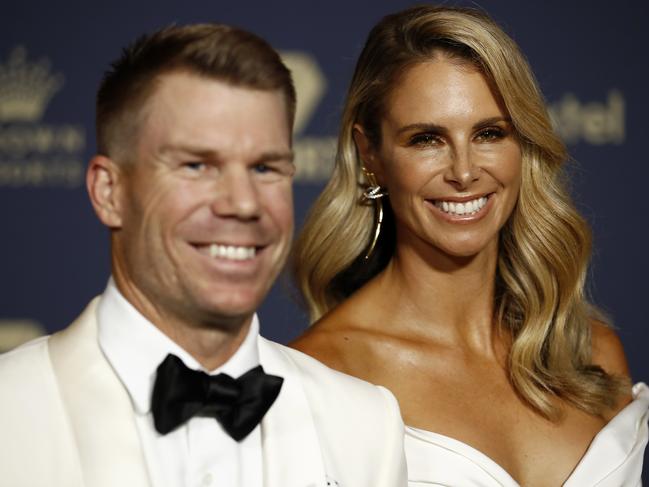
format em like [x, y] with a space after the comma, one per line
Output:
[374, 193]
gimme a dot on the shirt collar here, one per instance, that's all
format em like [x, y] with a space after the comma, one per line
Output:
[135, 347]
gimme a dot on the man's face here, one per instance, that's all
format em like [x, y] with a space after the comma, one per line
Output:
[206, 201]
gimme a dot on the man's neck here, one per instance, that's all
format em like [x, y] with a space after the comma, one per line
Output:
[210, 340]
[210, 346]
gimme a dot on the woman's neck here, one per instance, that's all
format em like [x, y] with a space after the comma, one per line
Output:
[442, 297]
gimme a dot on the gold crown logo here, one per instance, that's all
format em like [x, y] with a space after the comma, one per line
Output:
[26, 89]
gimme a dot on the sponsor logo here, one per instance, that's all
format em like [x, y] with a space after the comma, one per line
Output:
[314, 155]
[592, 122]
[33, 153]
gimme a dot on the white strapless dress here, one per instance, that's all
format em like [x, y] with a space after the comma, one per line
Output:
[613, 459]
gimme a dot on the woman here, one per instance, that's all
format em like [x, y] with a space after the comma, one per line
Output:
[445, 261]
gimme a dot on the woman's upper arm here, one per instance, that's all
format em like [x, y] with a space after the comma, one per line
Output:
[608, 351]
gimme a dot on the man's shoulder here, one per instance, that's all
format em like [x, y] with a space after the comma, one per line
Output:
[31, 407]
[29, 357]
[26, 375]
[35, 354]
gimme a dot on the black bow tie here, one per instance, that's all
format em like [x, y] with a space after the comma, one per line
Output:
[238, 404]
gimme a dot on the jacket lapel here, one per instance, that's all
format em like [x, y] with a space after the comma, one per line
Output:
[291, 447]
[98, 407]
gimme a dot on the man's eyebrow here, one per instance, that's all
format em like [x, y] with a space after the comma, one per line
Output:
[277, 156]
[186, 149]
[268, 156]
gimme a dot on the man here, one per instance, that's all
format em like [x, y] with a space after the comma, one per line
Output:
[193, 179]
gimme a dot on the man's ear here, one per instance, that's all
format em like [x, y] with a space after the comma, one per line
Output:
[104, 181]
[367, 152]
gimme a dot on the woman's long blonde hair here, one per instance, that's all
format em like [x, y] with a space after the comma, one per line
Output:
[544, 247]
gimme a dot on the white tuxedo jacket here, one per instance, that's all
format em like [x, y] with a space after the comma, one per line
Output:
[66, 420]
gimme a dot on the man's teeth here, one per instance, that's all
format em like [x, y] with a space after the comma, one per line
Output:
[232, 252]
[466, 208]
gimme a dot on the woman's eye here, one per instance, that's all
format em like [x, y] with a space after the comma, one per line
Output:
[489, 134]
[424, 139]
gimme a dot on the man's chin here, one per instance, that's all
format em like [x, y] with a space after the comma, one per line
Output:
[233, 311]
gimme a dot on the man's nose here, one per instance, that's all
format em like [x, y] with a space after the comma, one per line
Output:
[462, 170]
[237, 194]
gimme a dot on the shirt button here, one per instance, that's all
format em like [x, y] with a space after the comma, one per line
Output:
[207, 479]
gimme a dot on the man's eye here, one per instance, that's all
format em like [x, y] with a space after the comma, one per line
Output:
[274, 169]
[194, 165]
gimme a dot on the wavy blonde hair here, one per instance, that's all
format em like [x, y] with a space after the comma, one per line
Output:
[544, 247]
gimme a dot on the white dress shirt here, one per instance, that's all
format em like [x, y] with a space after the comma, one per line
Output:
[199, 453]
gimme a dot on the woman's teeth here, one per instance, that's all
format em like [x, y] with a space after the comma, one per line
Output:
[466, 208]
[232, 252]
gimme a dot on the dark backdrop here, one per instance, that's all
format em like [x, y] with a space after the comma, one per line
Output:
[590, 58]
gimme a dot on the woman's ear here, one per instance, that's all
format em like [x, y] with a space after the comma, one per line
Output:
[367, 152]
[104, 181]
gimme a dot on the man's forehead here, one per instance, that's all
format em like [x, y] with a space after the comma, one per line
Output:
[200, 116]
[177, 81]
[187, 95]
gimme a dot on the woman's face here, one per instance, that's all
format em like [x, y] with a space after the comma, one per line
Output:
[449, 158]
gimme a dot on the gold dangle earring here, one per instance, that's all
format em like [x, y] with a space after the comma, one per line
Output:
[373, 193]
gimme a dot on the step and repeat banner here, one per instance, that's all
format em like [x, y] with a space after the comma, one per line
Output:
[589, 57]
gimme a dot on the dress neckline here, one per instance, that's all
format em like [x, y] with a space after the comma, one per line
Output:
[620, 434]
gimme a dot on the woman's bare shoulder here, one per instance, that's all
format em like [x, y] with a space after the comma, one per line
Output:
[342, 339]
[321, 343]
[327, 340]
[608, 351]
